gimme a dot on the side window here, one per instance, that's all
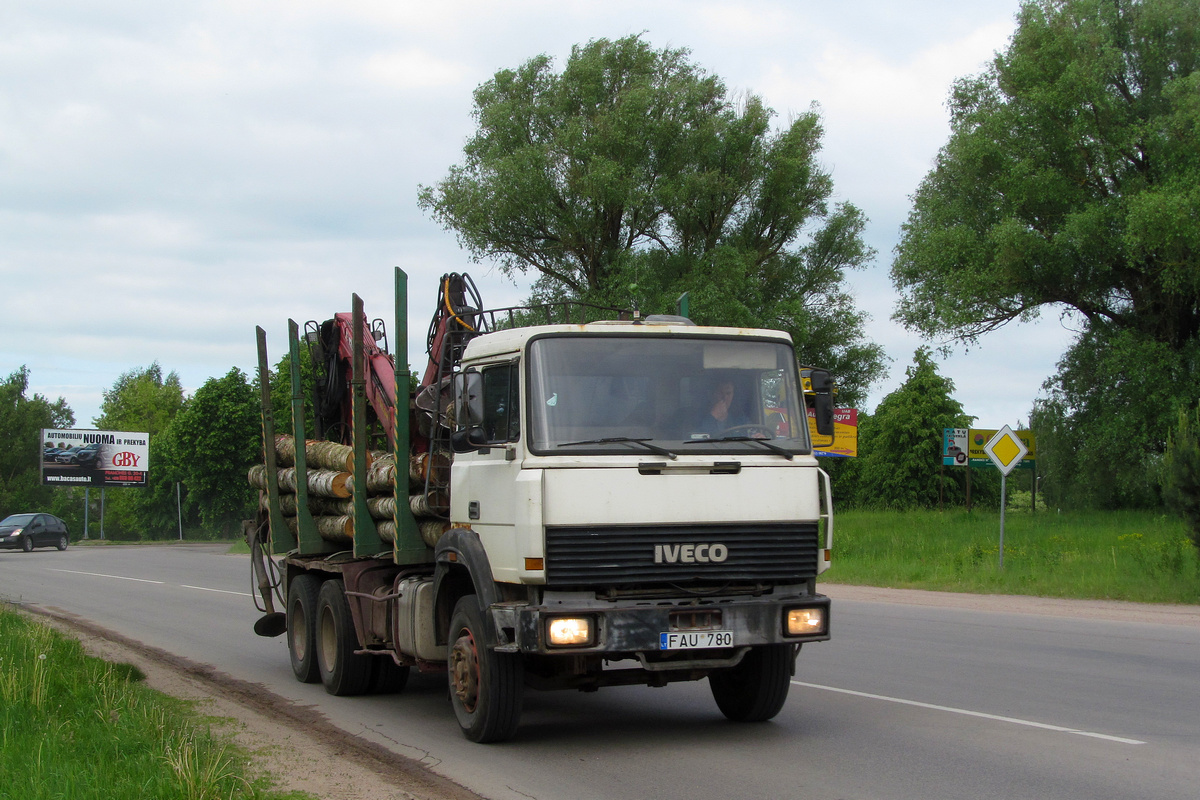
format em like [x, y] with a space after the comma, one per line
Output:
[501, 414]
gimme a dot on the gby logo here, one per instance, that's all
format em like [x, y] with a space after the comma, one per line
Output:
[690, 553]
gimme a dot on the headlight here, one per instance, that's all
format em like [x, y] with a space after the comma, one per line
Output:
[804, 621]
[570, 632]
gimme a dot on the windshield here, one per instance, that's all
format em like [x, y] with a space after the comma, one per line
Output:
[18, 519]
[642, 394]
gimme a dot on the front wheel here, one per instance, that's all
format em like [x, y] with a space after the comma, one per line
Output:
[756, 689]
[27, 543]
[486, 687]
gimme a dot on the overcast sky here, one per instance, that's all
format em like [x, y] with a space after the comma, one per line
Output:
[173, 174]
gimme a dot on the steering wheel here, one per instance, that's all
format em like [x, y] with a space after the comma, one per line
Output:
[749, 430]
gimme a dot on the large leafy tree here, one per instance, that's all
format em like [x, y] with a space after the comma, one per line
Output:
[901, 445]
[220, 431]
[1071, 181]
[633, 176]
[144, 399]
[22, 419]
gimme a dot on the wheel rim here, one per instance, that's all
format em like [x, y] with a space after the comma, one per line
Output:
[62, 543]
[299, 632]
[328, 641]
[464, 670]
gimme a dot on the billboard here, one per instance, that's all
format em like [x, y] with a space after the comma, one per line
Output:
[845, 434]
[94, 458]
[963, 446]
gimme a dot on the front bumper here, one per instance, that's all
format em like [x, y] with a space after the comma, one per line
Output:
[624, 629]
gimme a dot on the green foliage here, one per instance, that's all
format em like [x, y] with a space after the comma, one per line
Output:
[75, 726]
[1181, 471]
[1103, 425]
[1072, 181]
[144, 400]
[900, 444]
[1121, 555]
[21, 422]
[141, 400]
[281, 392]
[1071, 178]
[216, 437]
[633, 177]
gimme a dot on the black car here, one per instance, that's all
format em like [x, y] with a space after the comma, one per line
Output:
[28, 531]
[87, 456]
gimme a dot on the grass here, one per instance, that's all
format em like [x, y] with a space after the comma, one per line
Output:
[1137, 556]
[74, 726]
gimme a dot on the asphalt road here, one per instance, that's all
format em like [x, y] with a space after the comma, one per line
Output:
[906, 702]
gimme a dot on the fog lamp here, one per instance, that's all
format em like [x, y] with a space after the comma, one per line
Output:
[570, 632]
[801, 621]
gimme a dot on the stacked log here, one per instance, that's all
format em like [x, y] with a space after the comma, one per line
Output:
[330, 483]
[318, 454]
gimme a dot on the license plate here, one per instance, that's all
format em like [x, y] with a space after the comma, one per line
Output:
[694, 640]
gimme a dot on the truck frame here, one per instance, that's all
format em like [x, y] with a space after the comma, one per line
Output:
[565, 513]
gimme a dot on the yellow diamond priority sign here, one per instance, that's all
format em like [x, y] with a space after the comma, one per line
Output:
[1005, 450]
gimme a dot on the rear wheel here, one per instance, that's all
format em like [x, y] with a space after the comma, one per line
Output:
[387, 677]
[486, 687]
[62, 542]
[342, 670]
[301, 624]
[756, 689]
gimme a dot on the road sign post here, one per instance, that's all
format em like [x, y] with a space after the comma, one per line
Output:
[1005, 450]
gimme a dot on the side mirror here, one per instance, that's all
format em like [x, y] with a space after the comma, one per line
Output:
[822, 385]
[468, 440]
[468, 399]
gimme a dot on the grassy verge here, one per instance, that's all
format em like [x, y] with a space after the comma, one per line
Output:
[75, 726]
[1100, 555]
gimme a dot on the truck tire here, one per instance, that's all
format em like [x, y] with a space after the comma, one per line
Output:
[486, 687]
[301, 627]
[342, 670]
[756, 689]
[387, 677]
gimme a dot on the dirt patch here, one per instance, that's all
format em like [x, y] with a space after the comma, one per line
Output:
[304, 750]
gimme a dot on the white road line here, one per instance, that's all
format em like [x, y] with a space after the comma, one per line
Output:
[102, 575]
[222, 591]
[968, 713]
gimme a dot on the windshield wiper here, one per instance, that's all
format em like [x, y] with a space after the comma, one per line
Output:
[653, 448]
[772, 447]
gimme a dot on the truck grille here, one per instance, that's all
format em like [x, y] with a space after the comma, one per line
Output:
[645, 556]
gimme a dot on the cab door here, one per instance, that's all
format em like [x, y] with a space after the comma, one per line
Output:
[483, 484]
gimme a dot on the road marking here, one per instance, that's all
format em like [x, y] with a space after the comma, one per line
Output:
[102, 575]
[969, 713]
[222, 591]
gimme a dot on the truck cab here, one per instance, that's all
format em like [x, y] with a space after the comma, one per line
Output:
[645, 499]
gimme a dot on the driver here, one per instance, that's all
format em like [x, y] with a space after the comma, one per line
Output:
[719, 418]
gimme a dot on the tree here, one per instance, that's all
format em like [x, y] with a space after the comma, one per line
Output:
[21, 422]
[144, 400]
[1071, 179]
[633, 176]
[220, 430]
[1181, 471]
[901, 446]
